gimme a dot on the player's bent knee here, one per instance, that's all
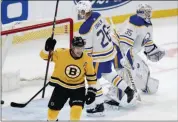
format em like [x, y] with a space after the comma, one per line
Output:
[152, 86]
[75, 112]
[52, 114]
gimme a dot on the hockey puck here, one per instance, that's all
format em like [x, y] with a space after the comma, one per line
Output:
[2, 102]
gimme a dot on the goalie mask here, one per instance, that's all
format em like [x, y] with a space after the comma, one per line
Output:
[145, 12]
[83, 7]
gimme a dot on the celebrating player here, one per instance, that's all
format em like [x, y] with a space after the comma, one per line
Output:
[135, 35]
[95, 31]
[71, 67]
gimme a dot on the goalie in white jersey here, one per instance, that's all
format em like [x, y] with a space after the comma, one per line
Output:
[99, 45]
[136, 35]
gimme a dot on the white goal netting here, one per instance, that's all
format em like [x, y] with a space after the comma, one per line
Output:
[21, 44]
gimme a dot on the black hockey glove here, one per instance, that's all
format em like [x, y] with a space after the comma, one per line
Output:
[50, 43]
[90, 96]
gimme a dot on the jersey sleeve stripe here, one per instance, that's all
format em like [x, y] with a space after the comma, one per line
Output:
[91, 78]
[88, 50]
[149, 43]
[126, 43]
[124, 36]
[104, 53]
[127, 40]
[99, 93]
[105, 56]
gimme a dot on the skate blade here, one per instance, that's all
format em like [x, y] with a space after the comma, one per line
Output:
[98, 114]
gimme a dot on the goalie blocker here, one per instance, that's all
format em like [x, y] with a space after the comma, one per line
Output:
[71, 68]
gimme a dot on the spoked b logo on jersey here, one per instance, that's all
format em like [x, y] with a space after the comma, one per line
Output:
[101, 5]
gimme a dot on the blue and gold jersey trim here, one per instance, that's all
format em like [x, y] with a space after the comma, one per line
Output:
[138, 21]
[103, 54]
[88, 24]
[127, 40]
[149, 43]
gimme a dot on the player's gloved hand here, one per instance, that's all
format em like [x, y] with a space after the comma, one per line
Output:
[50, 43]
[90, 96]
[155, 54]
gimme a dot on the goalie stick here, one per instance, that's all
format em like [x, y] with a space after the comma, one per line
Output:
[128, 71]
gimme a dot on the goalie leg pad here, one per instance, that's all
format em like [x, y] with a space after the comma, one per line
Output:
[152, 86]
[115, 79]
[141, 73]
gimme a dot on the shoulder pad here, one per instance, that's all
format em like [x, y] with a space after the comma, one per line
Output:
[138, 21]
[86, 26]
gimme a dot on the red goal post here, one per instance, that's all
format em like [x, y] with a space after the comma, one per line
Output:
[26, 39]
[42, 25]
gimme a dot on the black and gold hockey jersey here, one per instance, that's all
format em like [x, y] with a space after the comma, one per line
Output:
[70, 72]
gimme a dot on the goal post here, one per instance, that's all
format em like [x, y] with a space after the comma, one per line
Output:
[21, 43]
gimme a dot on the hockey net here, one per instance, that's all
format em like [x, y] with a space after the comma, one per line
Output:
[21, 44]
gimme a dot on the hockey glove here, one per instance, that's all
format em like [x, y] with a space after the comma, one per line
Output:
[90, 96]
[155, 54]
[50, 43]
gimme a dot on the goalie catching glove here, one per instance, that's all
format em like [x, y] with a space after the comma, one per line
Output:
[90, 96]
[50, 43]
[155, 54]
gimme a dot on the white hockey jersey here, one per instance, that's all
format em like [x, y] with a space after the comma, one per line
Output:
[136, 33]
[99, 44]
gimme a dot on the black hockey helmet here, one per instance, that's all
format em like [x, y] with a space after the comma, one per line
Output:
[78, 42]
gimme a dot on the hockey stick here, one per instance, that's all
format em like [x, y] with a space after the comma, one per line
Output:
[128, 71]
[22, 105]
[49, 55]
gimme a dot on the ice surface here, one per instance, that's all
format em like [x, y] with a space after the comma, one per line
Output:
[160, 106]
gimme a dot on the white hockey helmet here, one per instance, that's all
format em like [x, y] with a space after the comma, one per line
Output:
[144, 11]
[84, 7]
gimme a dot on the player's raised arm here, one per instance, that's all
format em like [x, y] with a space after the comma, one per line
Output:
[49, 45]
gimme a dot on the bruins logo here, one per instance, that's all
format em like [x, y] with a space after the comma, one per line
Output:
[72, 71]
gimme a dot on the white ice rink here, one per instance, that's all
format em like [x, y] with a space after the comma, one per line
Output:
[160, 106]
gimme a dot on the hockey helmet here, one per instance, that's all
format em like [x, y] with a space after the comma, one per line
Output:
[78, 42]
[84, 7]
[144, 11]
